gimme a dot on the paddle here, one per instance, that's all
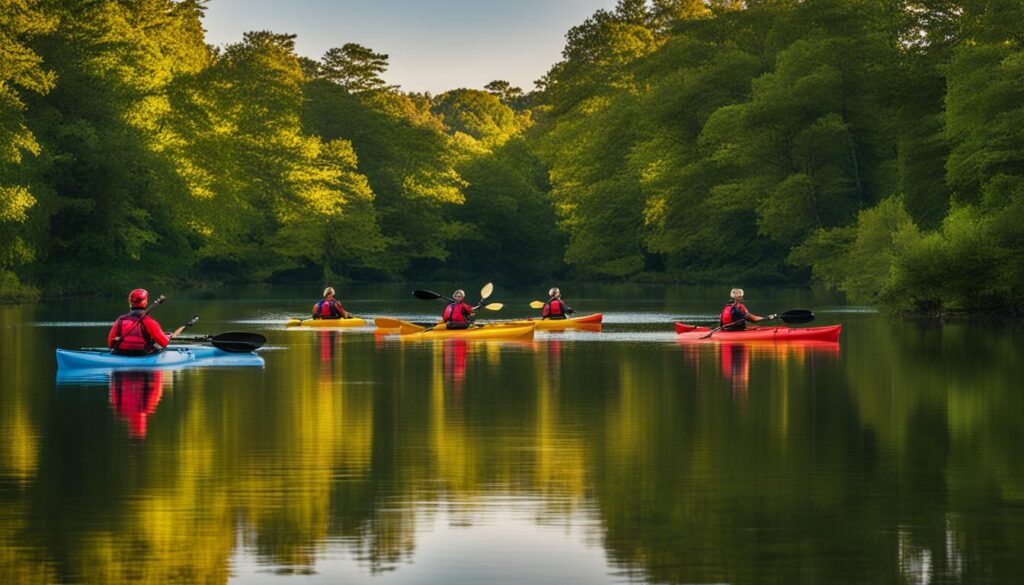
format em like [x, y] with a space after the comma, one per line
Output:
[427, 295]
[233, 341]
[178, 331]
[794, 317]
[404, 327]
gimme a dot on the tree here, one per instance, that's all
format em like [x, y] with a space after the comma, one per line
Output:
[20, 67]
[505, 91]
[355, 67]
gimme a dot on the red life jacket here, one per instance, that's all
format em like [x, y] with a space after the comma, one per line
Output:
[132, 337]
[732, 313]
[328, 310]
[553, 309]
[457, 313]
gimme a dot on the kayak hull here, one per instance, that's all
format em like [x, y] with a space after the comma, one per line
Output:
[172, 357]
[585, 322]
[771, 334]
[495, 331]
[326, 323]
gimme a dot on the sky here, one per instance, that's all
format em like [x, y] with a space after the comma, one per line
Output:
[433, 45]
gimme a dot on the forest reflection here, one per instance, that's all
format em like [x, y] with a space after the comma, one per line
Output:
[686, 463]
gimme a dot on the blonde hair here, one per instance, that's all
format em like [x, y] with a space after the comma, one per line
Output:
[459, 292]
[554, 291]
[328, 292]
[736, 294]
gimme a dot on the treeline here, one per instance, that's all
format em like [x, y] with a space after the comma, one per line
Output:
[871, 144]
[877, 143]
[134, 152]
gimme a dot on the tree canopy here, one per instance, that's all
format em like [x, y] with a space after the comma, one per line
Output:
[682, 140]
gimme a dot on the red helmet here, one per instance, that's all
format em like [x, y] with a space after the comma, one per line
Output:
[138, 298]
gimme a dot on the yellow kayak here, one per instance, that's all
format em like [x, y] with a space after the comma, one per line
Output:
[590, 322]
[413, 332]
[327, 323]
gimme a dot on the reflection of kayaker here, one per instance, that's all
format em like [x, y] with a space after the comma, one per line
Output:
[736, 366]
[136, 333]
[735, 315]
[458, 314]
[455, 351]
[329, 307]
[134, 396]
[556, 308]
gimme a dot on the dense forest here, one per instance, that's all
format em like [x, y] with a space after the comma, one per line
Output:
[874, 146]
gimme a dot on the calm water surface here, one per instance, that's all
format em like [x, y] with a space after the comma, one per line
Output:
[620, 456]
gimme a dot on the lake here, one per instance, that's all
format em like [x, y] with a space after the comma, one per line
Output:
[620, 456]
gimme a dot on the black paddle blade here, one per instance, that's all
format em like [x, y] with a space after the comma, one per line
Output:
[238, 341]
[425, 295]
[797, 316]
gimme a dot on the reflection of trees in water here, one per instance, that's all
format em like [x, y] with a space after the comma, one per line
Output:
[686, 482]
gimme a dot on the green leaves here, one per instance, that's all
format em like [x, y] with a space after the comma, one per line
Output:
[354, 67]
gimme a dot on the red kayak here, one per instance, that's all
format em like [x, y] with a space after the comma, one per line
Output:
[776, 334]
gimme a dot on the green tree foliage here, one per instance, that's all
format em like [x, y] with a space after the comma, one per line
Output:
[354, 67]
[506, 228]
[872, 145]
[509, 95]
[269, 199]
[478, 115]
[970, 261]
[20, 69]
[408, 161]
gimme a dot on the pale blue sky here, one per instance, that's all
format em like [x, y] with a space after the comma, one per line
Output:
[434, 45]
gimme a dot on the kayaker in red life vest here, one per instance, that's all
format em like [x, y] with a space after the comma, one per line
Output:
[556, 308]
[735, 315]
[135, 333]
[329, 308]
[458, 315]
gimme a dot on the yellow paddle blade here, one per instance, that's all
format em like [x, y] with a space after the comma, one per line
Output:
[410, 328]
[293, 323]
[485, 292]
[403, 326]
[537, 305]
[493, 306]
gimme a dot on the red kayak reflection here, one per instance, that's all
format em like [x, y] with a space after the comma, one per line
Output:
[134, 396]
[735, 358]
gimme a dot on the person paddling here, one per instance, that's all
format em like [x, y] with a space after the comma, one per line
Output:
[556, 308]
[735, 315]
[329, 308]
[136, 333]
[458, 315]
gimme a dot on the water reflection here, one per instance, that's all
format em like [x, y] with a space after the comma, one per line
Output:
[134, 397]
[571, 459]
[735, 359]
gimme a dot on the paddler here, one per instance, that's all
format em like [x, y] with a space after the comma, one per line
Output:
[458, 315]
[735, 315]
[556, 308]
[329, 308]
[136, 333]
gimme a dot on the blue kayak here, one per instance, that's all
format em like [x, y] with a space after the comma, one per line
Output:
[171, 358]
